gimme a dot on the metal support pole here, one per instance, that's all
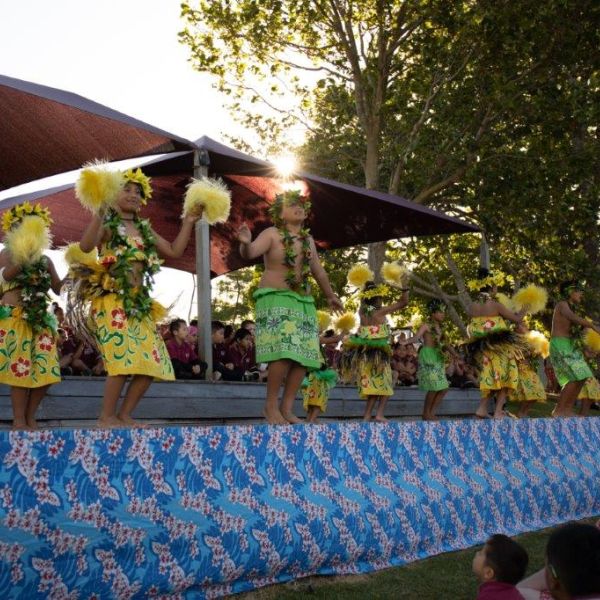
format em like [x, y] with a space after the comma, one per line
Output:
[203, 294]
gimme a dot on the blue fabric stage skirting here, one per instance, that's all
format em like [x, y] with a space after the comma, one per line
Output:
[206, 512]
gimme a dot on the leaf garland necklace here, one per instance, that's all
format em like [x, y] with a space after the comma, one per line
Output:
[136, 299]
[296, 284]
[35, 281]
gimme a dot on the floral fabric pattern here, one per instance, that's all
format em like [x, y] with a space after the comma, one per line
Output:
[431, 372]
[529, 387]
[590, 390]
[206, 512]
[129, 346]
[567, 361]
[27, 359]
[286, 327]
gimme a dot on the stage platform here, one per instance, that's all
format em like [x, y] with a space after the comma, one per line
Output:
[77, 399]
[203, 512]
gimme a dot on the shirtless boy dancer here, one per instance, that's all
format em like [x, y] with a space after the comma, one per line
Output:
[287, 334]
[569, 364]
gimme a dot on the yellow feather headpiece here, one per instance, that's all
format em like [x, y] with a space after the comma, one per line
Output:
[27, 242]
[17, 213]
[324, 319]
[592, 340]
[531, 296]
[98, 186]
[74, 255]
[394, 273]
[140, 179]
[347, 322]
[539, 342]
[359, 274]
[498, 279]
[209, 196]
[374, 292]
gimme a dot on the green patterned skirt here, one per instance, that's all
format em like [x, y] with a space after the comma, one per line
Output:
[286, 327]
[431, 372]
[567, 361]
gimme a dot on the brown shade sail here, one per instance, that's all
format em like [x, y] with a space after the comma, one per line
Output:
[342, 215]
[45, 131]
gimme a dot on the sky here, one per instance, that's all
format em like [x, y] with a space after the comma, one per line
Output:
[114, 52]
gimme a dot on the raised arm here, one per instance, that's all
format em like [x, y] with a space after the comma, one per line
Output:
[177, 247]
[9, 269]
[249, 250]
[418, 335]
[318, 272]
[565, 311]
[94, 233]
[55, 281]
[395, 306]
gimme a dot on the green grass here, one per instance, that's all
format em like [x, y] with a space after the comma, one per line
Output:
[443, 577]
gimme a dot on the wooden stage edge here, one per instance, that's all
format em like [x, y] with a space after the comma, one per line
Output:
[76, 401]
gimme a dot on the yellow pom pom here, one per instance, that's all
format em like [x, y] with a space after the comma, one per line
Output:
[394, 273]
[75, 256]
[533, 297]
[592, 340]
[98, 187]
[324, 319]
[506, 301]
[539, 343]
[27, 242]
[158, 312]
[358, 275]
[347, 322]
[210, 195]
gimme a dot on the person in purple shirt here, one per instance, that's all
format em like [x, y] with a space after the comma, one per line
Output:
[183, 355]
[221, 365]
[499, 566]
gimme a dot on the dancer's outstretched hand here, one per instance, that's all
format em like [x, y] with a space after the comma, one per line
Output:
[244, 235]
[335, 304]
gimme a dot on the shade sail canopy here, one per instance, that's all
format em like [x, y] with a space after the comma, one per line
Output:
[45, 131]
[342, 215]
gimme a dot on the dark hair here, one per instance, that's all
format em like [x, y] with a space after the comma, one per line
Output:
[216, 325]
[374, 300]
[573, 552]
[228, 331]
[241, 334]
[247, 322]
[194, 323]
[329, 333]
[436, 305]
[482, 273]
[175, 324]
[565, 285]
[507, 558]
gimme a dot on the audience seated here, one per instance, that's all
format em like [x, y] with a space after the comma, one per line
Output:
[183, 355]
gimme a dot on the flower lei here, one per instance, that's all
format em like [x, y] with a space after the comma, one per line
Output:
[34, 281]
[136, 299]
[297, 284]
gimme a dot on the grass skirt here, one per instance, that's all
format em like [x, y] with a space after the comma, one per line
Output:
[26, 359]
[129, 346]
[286, 327]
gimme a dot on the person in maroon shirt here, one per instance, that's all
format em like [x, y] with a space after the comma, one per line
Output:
[226, 369]
[240, 355]
[183, 355]
[499, 566]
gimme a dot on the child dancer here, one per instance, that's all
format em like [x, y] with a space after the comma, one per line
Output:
[118, 289]
[28, 354]
[568, 362]
[369, 352]
[286, 320]
[431, 371]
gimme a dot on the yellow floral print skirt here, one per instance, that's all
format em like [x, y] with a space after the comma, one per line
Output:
[129, 346]
[26, 359]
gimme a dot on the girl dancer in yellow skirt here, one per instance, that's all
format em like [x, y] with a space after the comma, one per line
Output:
[495, 347]
[367, 354]
[28, 355]
[123, 315]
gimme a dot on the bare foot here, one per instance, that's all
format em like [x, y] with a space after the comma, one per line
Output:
[367, 418]
[131, 422]
[32, 424]
[112, 422]
[20, 425]
[274, 417]
[291, 418]
[480, 416]
[430, 418]
[381, 419]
